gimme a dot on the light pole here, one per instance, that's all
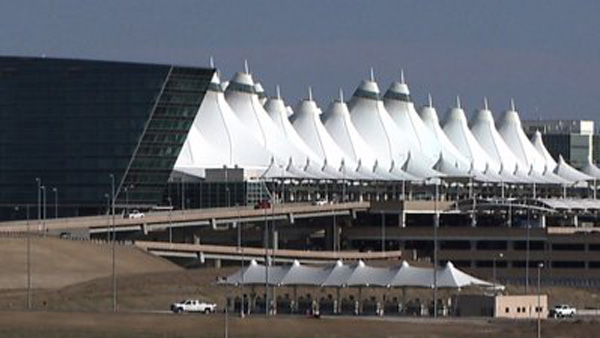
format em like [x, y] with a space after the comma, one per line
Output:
[527, 253]
[500, 255]
[436, 221]
[55, 190]
[28, 261]
[170, 221]
[43, 209]
[241, 250]
[114, 243]
[539, 308]
[39, 202]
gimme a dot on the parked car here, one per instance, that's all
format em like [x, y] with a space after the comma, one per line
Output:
[136, 214]
[193, 305]
[563, 310]
[265, 204]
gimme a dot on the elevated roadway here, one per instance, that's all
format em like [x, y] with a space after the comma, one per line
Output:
[203, 252]
[158, 221]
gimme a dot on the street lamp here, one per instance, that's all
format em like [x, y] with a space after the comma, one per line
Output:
[43, 209]
[55, 190]
[114, 243]
[29, 260]
[382, 231]
[170, 221]
[539, 308]
[241, 250]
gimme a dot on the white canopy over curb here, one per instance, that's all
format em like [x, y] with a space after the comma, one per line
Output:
[355, 275]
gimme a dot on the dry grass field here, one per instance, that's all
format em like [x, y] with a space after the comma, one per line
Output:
[72, 298]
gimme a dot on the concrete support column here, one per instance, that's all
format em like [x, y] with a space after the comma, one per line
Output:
[575, 221]
[542, 221]
[218, 263]
[275, 240]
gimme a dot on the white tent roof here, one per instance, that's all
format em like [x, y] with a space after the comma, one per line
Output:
[357, 274]
[260, 92]
[590, 169]
[279, 114]
[451, 277]
[338, 123]
[538, 144]
[511, 131]
[217, 138]
[564, 170]
[458, 132]
[307, 122]
[399, 104]
[448, 151]
[379, 130]
[242, 98]
[484, 129]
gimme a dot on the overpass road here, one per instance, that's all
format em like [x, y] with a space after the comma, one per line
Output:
[155, 221]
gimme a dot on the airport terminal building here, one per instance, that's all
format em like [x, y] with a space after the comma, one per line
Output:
[71, 126]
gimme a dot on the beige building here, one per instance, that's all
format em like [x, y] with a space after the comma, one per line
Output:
[501, 306]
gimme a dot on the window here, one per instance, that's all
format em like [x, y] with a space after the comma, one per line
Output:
[506, 309]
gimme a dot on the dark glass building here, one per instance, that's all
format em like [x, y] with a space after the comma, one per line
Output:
[77, 124]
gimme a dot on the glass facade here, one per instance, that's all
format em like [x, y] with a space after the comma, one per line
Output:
[73, 123]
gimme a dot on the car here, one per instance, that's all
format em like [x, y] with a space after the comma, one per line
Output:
[264, 204]
[136, 214]
[563, 310]
[193, 305]
[320, 202]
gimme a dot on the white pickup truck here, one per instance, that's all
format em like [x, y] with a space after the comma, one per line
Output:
[563, 310]
[193, 305]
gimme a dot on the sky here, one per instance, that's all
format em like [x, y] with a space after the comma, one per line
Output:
[543, 53]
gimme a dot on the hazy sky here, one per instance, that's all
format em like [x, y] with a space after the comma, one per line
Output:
[545, 53]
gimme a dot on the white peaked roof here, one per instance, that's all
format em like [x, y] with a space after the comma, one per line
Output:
[338, 123]
[564, 170]
[307, 122]
[484, 129]
[242, 98]
[538, 144]
[511, 131]
[277, 110]
[549, 162]
[379, 130]
[448, 151]
[458, 132]
[399, 104]
[590, 169]
[217, 138]
[451, 277]
[412, 276]
[357, 275]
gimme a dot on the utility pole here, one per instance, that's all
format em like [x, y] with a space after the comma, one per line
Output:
[114, 243]
[55, 190]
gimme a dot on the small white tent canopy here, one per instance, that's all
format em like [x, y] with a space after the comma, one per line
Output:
[255, 274]
[358, 274]
[411, 276]
[511, 131]
[379, 130]
[564, 170]
[241, 96]
[458, 132]
[590, 169]
[448, 150]
[338, 275]
[451, 277]
[299, 274]
[399, 104]
[307, 122]
[217, 138]
[364, 275]
[278, 112]
[338, 123]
